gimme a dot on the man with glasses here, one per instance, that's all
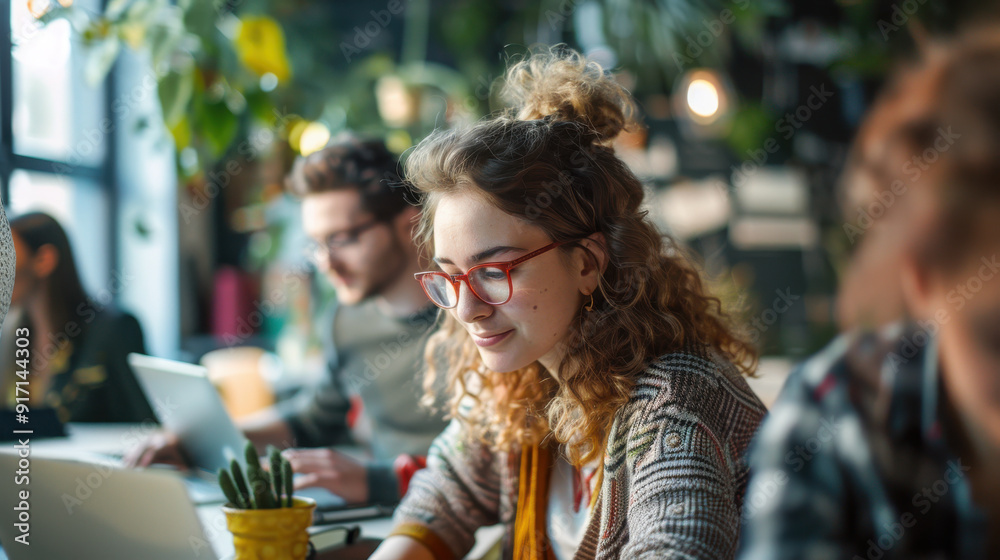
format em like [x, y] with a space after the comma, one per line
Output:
[360, 225]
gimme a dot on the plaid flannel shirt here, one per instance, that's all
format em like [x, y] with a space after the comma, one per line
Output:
[852, 461]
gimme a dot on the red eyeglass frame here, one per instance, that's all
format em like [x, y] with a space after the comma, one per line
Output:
[456, 279]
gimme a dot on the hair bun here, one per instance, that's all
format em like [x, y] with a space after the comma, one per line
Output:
[560, 83]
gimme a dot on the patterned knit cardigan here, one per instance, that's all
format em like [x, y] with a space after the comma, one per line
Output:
[674, 473]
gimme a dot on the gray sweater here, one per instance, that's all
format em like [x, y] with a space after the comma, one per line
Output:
[674, 478]
[381, 360]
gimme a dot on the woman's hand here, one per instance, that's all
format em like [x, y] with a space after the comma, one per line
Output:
[399, 547]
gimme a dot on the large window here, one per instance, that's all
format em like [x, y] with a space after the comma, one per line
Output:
[56, 155]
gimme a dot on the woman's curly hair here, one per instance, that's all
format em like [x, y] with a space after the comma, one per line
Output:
[547, 162]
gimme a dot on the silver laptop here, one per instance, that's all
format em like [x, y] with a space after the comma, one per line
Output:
[92, 510]
[196, 415]
[201, 423]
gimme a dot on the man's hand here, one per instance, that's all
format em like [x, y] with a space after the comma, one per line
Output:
[162, 448]
[329, 469]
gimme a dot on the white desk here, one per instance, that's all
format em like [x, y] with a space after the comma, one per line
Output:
[99, 441]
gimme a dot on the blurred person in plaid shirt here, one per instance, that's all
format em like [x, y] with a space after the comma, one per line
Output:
[887, 443]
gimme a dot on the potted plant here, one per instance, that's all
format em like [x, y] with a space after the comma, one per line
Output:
[266, 520]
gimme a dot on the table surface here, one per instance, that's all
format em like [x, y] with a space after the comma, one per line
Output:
[99, 441]
[357, 551]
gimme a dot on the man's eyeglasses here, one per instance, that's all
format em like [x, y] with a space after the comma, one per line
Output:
[490, 282]
[341, 239]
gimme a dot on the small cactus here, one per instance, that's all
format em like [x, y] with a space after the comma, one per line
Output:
[256, 490]
[274, 457]
[286, 475]
[241, 483]
[229, 489]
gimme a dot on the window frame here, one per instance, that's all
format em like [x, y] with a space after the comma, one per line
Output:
[102, 175]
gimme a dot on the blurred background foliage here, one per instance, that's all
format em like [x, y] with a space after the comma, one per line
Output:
[225, 65]
[260, 81]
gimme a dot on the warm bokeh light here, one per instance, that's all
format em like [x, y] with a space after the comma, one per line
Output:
[703, 98]
[37, 8]
[313, 138]
[396, 103]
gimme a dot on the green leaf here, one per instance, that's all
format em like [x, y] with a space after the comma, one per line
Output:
[200, 17]
[260, 484]
[260, 106]
[752, 125]
[241, 483]
[216, 124]
[274, 456]
[144, 11]
[162, 39]
[166, 34]
[175, 92]
[286, 475]
[229, 489]
[115, 8]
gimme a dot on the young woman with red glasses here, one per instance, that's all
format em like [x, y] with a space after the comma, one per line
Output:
[595, 386]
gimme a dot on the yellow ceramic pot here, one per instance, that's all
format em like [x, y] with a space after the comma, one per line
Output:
[271, 534]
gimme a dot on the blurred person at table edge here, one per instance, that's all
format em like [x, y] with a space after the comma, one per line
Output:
[8, 259]
[887, 443]
[360, 224]
[78, 344]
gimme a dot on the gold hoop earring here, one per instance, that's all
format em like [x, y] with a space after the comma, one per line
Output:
[590, 306]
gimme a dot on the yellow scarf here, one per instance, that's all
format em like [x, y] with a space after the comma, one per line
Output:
[530, 536]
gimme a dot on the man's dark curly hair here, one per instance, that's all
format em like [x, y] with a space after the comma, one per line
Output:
[349, 162]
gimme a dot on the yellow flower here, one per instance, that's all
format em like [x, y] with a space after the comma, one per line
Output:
[181, 133]
[133, 34]
[260, 45]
